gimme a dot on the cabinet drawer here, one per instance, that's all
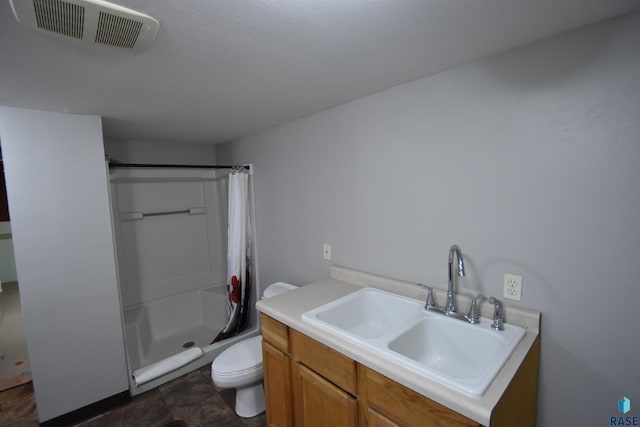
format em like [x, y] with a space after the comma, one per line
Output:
[332, 365]
[275, 333]
[405, 405]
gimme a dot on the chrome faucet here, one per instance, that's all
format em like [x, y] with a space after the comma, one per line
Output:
[473, 317]
[451, 306]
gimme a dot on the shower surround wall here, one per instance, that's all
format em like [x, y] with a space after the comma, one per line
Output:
[170, 228]
[161, 253]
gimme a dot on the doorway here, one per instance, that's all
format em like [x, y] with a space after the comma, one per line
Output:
[14, 360]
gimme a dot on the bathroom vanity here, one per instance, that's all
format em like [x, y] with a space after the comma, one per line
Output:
[315, 378]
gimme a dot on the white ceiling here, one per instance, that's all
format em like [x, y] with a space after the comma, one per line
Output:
[221, 69]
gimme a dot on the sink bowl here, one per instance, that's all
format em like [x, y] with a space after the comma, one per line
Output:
[461, 355]
[458, 354]
[365, 314]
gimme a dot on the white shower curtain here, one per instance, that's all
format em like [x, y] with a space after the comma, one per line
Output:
[238, 259]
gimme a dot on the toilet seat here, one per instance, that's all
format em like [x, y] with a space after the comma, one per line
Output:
[239, 364]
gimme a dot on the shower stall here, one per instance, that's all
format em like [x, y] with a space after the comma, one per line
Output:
[170, 226]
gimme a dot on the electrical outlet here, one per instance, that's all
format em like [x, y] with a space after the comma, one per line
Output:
[326, 251]
[512, 287]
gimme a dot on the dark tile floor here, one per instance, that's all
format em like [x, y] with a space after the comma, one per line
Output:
[192, 398]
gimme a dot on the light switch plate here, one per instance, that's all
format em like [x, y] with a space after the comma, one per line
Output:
[326, 251]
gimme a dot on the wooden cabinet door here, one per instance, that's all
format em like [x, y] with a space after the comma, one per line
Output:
[324, 404]
[277, 386]
[376, 419]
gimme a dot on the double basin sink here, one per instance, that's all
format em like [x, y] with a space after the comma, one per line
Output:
[460, 355]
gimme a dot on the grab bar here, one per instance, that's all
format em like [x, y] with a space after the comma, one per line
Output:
[130, 216]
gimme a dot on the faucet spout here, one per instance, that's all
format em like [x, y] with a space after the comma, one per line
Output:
[453, 250]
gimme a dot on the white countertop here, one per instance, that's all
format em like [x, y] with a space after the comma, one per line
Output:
[288, 309]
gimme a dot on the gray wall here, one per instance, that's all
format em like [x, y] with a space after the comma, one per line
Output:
[133, 151]
[57, 188]
[528, 160]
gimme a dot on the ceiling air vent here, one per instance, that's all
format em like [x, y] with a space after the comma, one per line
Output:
[92, 21]
[60, 17]
[117, 31]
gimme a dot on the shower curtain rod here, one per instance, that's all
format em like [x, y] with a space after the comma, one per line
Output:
[147, 165]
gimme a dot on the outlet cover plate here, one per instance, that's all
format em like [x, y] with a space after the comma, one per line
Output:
[512, 287]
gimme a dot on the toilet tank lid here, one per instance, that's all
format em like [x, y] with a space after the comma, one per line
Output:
[277, 288]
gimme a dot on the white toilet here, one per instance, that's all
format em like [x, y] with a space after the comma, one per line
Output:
[240, 366]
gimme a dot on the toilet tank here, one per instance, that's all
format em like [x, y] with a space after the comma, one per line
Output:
[277, 288]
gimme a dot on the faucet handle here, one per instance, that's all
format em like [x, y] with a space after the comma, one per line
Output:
[498, 321]
[430, 301]
[479, 297]
[473, 317]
